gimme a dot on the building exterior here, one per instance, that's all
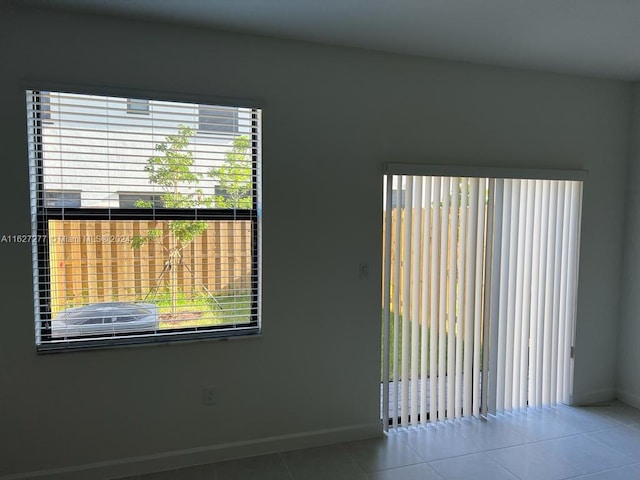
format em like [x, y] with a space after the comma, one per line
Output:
[95, 148]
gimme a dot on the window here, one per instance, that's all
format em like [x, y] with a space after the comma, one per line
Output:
[136, 200]
[218, 119]
[45, 110]
[148, 255]
[64, 198]
[137, 106]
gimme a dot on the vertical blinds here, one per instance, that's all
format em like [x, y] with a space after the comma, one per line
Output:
[468, 260]
[534, 317]
[144, 218]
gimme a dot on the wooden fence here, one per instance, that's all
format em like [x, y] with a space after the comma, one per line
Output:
[94, 261]
[425, 216]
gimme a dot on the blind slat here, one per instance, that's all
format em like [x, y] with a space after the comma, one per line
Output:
[434, 281]
[453, 299]
[415, 297]
[406, 301]
[424, 351]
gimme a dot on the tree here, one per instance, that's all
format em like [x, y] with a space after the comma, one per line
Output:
[234, 176]
[171, 169]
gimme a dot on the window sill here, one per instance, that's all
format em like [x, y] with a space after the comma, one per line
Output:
[128, 342]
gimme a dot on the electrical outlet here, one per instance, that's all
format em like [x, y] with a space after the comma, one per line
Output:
[209, 396]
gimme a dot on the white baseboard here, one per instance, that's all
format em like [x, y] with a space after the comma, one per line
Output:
[594, 396]
[202, 455]
[629, 398]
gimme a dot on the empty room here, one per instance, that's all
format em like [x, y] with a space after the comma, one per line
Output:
[319, 240]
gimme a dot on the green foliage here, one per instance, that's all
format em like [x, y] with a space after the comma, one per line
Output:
[139, 240]
[143, 204]
[173, 165]
[171, 169]
[186, 231]
[234, 177]
[206, 309]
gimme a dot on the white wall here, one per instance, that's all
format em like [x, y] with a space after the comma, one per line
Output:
[332, 117]
[628, 376]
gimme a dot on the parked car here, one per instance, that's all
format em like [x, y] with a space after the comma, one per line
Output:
[105, 318]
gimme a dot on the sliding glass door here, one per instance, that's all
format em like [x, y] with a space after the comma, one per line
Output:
[479, 294]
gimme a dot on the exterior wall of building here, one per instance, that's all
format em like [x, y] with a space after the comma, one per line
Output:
[99, 147]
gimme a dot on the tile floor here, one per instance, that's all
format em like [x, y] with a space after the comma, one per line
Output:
[594, 443]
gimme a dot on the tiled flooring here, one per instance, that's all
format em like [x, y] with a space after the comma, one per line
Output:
[594, 443]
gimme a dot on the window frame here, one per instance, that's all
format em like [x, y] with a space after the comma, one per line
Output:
[217, 128]
[63, 193]
[45, 112]
[41, 214]
[134, 104]
[155, 198]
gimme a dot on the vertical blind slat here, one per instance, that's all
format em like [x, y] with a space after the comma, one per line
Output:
[472, 231]
[501, 373]
[548, 299]
[386, 295]
[433, 317]
[406, 300]
[415, 296]
[477, 321]
[451, 316]
[396, 306]
[425, 300]
[511, 295]
[535, 285]
[442, 317]
[518, 327]
[460, 306]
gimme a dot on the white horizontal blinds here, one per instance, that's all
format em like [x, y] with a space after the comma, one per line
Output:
[436, 235]
[539, 241]
[143, 202]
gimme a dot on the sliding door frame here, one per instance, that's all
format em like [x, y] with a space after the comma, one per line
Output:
[492, 264]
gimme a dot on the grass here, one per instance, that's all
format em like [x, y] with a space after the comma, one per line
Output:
[398, 354]
[200, 310]
[192, 310]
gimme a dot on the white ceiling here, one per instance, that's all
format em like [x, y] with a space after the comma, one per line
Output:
[586, 37]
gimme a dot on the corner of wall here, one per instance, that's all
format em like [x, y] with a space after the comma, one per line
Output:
[627, 389]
